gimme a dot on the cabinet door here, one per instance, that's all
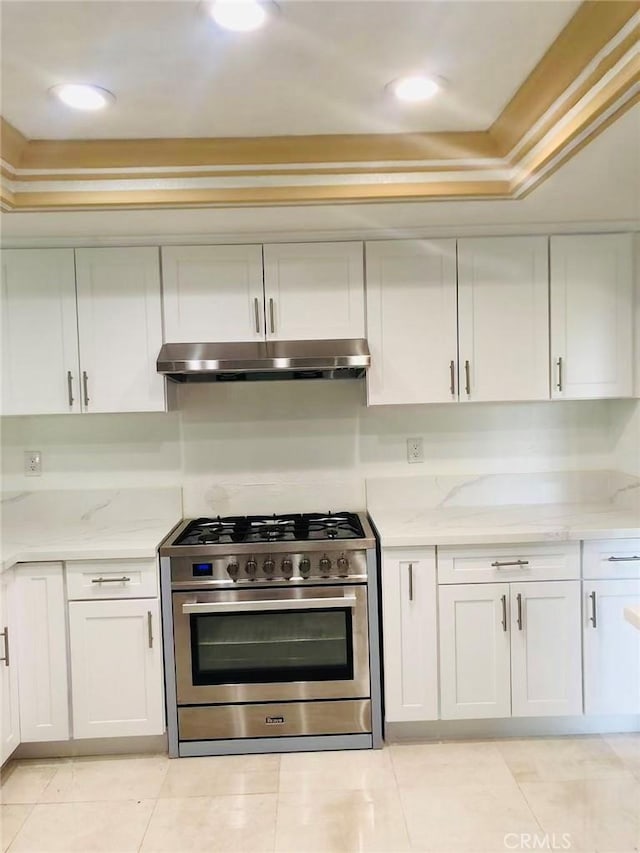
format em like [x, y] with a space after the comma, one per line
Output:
[42, 652]
[592, 316]
[314, 291]
[410, 635]
[39, 332]
[212, 293]
[412, 325]
[116, 668]
[503, 316]
[9, 700]
[546, 649]
[611, 648]
[120, 329]
[474, 651]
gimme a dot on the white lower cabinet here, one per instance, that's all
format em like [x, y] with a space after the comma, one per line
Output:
[474, 651]
[116, 668]
[546, 664]
[611, 647]
[42, 652]
[409, 626]
[9, 702]
[510, 650]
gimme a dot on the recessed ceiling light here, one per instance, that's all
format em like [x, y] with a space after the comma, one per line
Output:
[415, 88]
[241, 16]
[82, 96]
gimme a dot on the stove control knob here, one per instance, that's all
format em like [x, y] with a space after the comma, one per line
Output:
[232, 571]
[343, 566]
[269, 567]
[251, 568]
[305, 567]
[286, 568]
[325, 567]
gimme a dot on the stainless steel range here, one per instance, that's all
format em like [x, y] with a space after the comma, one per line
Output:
[271, 634]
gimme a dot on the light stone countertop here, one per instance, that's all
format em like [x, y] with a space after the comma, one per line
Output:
[406, 527]
[87, 524]
[632, 615]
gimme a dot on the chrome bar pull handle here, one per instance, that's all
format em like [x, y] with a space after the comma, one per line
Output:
[150, 628]
[559, 365]
[633, 559]
[497, 564]
[504, 612]
[272, 316]
[5, 636]
[123, 579]
[85, 385]
[519, 600]
[452, 377]
[70, 388]
[594, 611]
[467, 378]
[410, 581]
[256, 310]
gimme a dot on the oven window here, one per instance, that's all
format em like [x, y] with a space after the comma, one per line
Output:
[274, 646]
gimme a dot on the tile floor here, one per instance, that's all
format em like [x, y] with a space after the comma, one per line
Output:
[578, 794]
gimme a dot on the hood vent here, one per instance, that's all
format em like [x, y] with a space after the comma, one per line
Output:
[238, 362]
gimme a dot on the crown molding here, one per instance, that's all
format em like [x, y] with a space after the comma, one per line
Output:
[587, 79]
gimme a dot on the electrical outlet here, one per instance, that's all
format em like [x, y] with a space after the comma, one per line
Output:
[415, 451]
[32, 463]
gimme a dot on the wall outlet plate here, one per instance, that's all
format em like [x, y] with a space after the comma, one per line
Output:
[415, 451]
[32, 463]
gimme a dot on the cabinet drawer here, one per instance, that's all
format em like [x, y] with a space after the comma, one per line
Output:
[611, 558]
[96, 579]
[491, 564]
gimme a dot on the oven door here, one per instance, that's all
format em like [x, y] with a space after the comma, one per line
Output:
[271, 645]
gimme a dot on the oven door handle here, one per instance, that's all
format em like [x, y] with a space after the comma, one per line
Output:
[269, 604]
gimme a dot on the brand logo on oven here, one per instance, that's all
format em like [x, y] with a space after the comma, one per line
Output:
[274, 721]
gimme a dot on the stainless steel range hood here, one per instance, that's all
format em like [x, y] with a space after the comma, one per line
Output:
[233, 362]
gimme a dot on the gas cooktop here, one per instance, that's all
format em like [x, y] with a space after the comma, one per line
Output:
[301, 527]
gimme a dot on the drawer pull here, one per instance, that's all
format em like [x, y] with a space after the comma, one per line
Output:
[111, 580]
[633, 559]
[500, 565]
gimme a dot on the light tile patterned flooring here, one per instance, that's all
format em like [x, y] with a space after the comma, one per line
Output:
[580, 794]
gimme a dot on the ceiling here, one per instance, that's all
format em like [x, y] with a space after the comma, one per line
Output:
[319, 68]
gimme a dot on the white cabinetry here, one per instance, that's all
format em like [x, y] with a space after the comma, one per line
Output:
[288, 291]
[412, 324]
[212, 293]
[546, 664]
[314, 291]
[9, 701]
[611, 644]
[409, 631]
[42, 652]
[116, 666]
[40, 371]
[592, 316]
[503, 318]
[474, 651]
[120, 329]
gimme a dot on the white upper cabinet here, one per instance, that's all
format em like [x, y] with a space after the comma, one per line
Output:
[212, 293]
[412, 324]
[592, 316]
[39, 332]
[120, 329]
[503, 317]
[314, 291]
